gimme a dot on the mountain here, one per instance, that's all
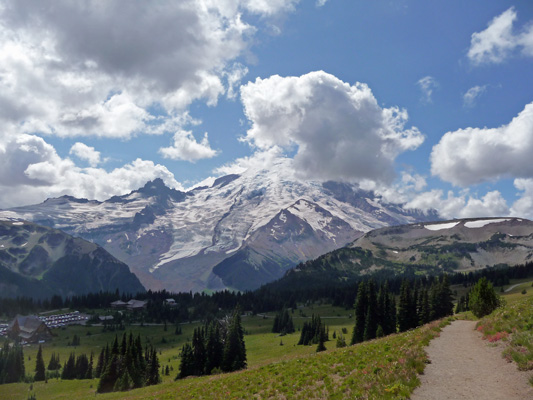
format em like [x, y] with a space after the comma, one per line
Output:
[239, 232]
[460, 245]
[38, 261]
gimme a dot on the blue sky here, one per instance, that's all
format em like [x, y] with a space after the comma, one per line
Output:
[98, 97]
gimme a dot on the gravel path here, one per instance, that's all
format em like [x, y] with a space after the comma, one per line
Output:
[465, 367]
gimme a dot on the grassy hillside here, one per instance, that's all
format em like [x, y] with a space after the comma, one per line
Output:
[513, 324]
[385, 368]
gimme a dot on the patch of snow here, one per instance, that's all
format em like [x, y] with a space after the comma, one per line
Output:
[438, 227]
[24, 244]
[127, 238]
[18, 223]
[481, 223]
[283, 217]
[394, 251]
[108, 240]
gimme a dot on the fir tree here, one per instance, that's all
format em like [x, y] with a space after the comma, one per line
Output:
[361, 308]
[371, 312]
[404, 307]
[483, 299]
[234, 355]
[40, 371]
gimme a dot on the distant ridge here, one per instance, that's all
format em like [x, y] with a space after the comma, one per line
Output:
[37, 261]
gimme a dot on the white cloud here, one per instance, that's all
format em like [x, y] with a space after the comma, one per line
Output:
[473, 155]
[263, 159]
[463, 206]
[320, 3]
[427, 84]
[186, 148]
[338, 130]
[523, 207]
[496, 43]
[86, 153]
[32, 171]
[472, 94]
[91, 68]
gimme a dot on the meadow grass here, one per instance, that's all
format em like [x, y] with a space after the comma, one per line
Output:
[513, 323]
[384, 368]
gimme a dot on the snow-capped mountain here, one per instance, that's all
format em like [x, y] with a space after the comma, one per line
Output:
[256, 225]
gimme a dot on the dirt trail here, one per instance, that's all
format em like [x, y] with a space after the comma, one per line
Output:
[465, 367]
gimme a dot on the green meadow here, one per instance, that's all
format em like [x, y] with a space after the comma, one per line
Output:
[278, 368]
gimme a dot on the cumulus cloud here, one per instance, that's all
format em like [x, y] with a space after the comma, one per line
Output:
[472, 94]
[71, 69]
[496, 43]
[338, 130]
[32, 171]
[86, 153]
[427, 84]
[462, 206]
[473, 155]
[186, 148]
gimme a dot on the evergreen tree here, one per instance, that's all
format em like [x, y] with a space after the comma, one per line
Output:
[234, 356]
[199, 352]
[423, 313]
[361, 308]
[214, 348]
[153, 373]
[69, 369]
[379, 332]
[391, 316]
[110, 375]
[11, 363]
[404, 307]
[371, 312]
[321, 346]
[54, 363]
[187, 362]
[40, 371]
[483, 299]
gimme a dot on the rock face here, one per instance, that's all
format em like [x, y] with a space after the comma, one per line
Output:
[447, 246]
[38, 261]
[240, 232]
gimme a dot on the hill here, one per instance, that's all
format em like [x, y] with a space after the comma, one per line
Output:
[424, 248]
[39, 261]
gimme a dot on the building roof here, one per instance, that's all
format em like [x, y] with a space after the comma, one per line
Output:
[26, 323]
[136, 303]
[118, 303]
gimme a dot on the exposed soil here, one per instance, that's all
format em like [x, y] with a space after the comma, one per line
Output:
[463, 366]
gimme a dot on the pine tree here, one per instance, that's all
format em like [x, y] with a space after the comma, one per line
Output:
[483, 299]
[371, 312]
[110, 375]
[404, 307]
[199, 352]
[214, 348]
[54, 363]
[40, 371]
[153, 373]
[69, 369]
[234, 356]
[187, 362]
[423, 314]
[361, 308]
